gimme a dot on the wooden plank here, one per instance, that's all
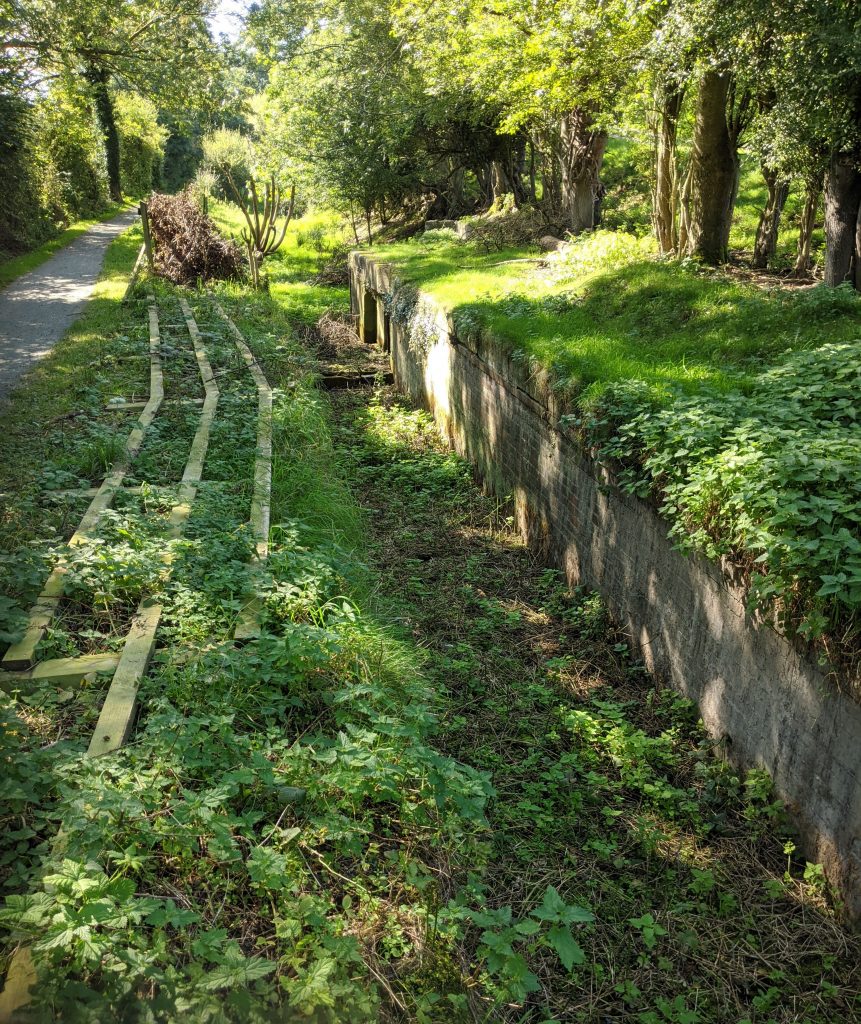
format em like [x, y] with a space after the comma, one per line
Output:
[133, 279]
[20, 978]
[129, 406]
[343, 381]
[248, 624]
[144, 212]
[22, 654]
[117, 714]
[60, 670]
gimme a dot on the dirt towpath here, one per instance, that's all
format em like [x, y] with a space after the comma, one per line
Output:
[38, 308]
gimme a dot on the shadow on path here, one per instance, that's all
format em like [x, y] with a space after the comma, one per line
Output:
[38, 308]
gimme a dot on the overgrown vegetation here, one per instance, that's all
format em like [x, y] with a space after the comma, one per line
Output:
[628, 872]
[731, 407]
[433, 789]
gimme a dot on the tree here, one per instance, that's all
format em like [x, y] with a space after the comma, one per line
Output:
[159, 48]
[813, 126]
[555, 70]
[345, 111]
[142, 141]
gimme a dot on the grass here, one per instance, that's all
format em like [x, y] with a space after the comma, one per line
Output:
[307, 245]
[298, 884]
[633, 317]
[750, 204]
[13, 267]
[626, 173]
[703, 394]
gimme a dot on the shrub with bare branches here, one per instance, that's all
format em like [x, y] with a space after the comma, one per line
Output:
[186, 243]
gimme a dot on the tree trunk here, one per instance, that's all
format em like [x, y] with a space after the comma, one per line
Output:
[485, 185]
[500, 183]
[769, 223]
[842, 202]
[664, 200]
[858, 252]
[581, 151]
[812, 195]
[455, 193]
[714, 172]
[98, 80]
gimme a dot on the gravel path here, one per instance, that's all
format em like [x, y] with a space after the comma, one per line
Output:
[38, 308]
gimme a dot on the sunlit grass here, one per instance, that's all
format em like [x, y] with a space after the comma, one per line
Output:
[292, 268]
[657, 321]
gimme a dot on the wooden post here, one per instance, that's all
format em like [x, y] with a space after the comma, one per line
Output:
[142, 210]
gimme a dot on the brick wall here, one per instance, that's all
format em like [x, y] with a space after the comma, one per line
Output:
[768, 705]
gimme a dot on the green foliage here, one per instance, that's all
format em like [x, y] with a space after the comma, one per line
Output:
[229, 155]
[732, 406]
[600, 251]
[623, 858]
[353, 138]
[73, 147]
[142, 141]
[53, 160]
[24, 221]
[432, 781]
[770, 477]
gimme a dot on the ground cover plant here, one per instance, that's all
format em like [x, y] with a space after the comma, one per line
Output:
[629, 873]
[291, 779]
[732, 408]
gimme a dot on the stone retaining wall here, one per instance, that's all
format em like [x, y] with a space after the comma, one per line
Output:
[769, 705]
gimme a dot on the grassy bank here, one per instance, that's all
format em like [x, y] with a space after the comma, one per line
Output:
[733, 409]
[14, 266]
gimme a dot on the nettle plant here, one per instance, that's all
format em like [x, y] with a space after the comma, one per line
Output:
[506, 943]
[770, 479]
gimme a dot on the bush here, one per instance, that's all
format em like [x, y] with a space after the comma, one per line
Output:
[52, 166]
[142, 141]
[229, 155]
[23, 221]
[771, 479]
[75, 181]
[187, 245]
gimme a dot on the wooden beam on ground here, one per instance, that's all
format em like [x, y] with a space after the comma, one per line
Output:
[117, 714]
[20, 978]
[22, 654]
[344, 381]
[248, 625]
[60, 670]
[133, 279]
